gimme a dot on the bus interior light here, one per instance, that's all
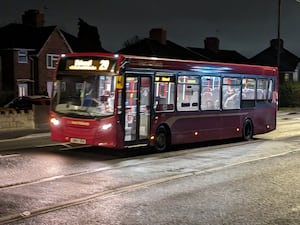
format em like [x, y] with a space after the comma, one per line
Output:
[211, 69]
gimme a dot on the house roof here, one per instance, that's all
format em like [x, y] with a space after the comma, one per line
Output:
[153, 48]
[24, 36]
[72, 40]
[78, 45]
[268, 57]
[229, 56]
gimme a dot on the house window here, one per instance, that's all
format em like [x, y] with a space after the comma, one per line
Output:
[51, 60]
[22, 56]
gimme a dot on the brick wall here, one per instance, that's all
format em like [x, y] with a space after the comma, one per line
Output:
[12, 119]
[32, 119]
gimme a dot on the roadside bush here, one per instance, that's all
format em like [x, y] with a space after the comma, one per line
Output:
[289, 94]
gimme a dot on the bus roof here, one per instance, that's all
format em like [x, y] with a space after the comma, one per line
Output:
[208, 67]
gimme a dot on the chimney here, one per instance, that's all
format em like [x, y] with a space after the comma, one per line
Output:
[274, 43]
[34, 18]
[159, 35]
[212, 43]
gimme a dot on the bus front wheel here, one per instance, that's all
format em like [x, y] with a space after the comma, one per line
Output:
[248, 130]
[161, 139]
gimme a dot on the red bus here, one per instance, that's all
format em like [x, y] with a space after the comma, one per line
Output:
[117, 101]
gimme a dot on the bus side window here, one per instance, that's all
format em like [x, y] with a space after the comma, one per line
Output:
[210, 93]
[270, 90]
[231, 93]
[165, 96]
[262, 89]
[188, 93]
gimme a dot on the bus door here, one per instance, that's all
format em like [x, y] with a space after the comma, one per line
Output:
[137, 104]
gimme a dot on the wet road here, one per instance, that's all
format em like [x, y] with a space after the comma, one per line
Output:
[254, 182]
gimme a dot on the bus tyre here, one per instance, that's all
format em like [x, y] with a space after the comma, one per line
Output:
[247, 130]
[161, 139]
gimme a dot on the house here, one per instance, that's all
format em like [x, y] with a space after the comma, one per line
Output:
[157, 45]
[288, 67]
[28, 54]
[212, 51]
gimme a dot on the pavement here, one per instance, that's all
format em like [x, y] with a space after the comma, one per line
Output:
[17, 133]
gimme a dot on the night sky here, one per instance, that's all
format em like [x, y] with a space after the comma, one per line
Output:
[243, 25]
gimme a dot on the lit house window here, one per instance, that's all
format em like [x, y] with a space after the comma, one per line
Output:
[51, 60]
[22, 56]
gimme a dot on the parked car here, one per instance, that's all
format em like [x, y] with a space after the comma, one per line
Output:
[26, 102]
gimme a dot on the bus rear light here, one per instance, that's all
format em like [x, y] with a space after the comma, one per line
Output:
[196, 133]
[238, 129]
[152, 137]
[268, 126]
[54, 121]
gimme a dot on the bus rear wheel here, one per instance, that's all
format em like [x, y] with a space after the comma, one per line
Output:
[247, 130]
[161, 139]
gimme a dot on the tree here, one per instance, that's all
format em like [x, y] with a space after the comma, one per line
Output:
[88, 38]
[135, 39]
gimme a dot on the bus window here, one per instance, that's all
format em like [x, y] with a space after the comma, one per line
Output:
[231, 93]
[248, 89]
[188, 93]
[210, 93]
[270, 90]
[91, 96]
[262, 89]
[164, 90]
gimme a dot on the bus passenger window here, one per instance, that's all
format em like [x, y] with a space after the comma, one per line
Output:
[188, 93]
[164, 96]
[270, 90]
[231, 93]
[248, 89]
[210, 93]
[262, 89]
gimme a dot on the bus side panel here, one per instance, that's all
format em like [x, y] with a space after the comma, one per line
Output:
[191, 129]
[231, 124]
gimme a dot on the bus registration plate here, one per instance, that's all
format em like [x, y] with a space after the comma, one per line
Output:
[78, 141]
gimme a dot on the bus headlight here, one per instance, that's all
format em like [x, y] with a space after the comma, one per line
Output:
[106, 126]
[54, 121]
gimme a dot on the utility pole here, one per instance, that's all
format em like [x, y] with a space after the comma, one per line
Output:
[278, 34]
